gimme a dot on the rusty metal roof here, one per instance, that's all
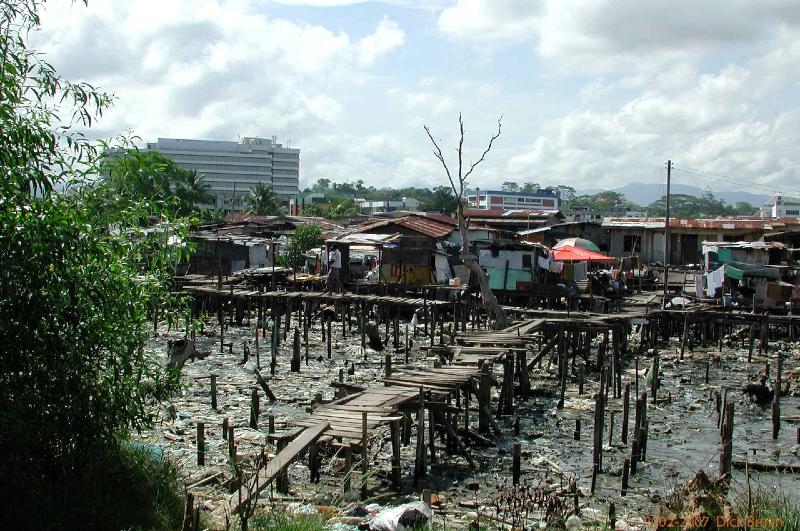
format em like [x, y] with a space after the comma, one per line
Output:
[715, 224]
[428, 227]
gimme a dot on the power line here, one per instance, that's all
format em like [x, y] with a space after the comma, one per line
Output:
[726, 178]
[760, 187]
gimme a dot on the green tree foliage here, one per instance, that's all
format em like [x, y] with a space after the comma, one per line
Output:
[706, 206]
[151, 176]
[263, 201]
[305, 237]
[440, 200]
[337, 208]
[530, 187]
[510, 186]
[77, 283]
[602, 202]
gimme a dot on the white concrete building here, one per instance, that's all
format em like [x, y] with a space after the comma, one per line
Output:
[407, 204]
[780, 206]
[501, 199]
[231, 169]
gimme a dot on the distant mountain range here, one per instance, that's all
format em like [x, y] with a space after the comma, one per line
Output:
[645, 193]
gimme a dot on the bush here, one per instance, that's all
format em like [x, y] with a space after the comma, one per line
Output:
[117, 487]
[280, 520]
[79, 275]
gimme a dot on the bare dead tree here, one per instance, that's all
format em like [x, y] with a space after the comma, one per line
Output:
[458, 182]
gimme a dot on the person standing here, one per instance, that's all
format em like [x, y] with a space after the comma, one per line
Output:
[334, 269]
[323, 256]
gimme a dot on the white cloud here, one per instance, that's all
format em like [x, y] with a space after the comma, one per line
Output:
[209, 68]
[387, 36]
[607, 35]
[714, 121]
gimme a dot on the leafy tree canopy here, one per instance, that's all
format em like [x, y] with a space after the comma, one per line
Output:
[151, 176]
[305, 237]
[263, 201]
[689, 206]
[79, 277]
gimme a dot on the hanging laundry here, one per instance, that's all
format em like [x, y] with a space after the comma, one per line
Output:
[544, 262]
[699, 285]
[714, 281]
[556, 267]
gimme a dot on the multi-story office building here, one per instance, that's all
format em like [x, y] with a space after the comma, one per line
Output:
[501, 199]
[231, 169]
[780, 206]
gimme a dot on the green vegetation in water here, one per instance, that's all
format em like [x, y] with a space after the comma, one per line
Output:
[280, 520]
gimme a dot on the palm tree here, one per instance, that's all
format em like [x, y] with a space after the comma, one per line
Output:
[341, 208]
[194, 189]
[263, 201]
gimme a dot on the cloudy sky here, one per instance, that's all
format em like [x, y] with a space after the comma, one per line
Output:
[593, 93]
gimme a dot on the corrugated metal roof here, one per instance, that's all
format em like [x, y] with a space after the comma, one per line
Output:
[428, 227]
[364, 239]
[716, 224]
[503, 213]
[743, 245]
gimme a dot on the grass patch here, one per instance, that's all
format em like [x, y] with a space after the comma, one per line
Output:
[770, 508]
[118, 487]
[280, 520]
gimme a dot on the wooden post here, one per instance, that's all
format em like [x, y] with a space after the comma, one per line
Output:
[776, 398]
[364, 454]
[305, 341]
[625, 412]
[626, 467]
[516, 466]
[726, 450]
[273, 348]
[201, 444]
[282, 480]
[225, 423]
[254, 409]
[407, 344]
[581, 369]
[214, 392]
[231, 443]
[329, 337]
[484, 395]
[394, 426]
[271, 424]
[420, 469]
[577, 433]
[432, 434]
[296, 351]
[562, 371]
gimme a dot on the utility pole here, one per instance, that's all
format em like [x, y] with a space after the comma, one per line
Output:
[667, 242]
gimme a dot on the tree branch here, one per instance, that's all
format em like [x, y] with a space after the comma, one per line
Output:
[461, 179]
[488, 148]
[438, 153]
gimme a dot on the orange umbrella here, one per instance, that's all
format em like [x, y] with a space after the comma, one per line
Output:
[578, 254]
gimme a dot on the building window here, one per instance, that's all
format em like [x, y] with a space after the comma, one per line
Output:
[629, 244]
[793, 212]
[527, 263]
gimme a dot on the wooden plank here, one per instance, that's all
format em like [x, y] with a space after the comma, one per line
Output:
[276, 466]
